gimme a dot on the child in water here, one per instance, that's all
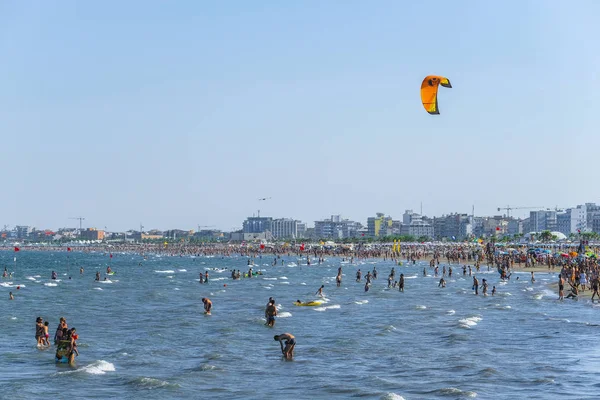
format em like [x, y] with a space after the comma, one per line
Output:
[46, 336]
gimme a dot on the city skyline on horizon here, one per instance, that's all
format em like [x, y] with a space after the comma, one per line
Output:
[310, 223]
[188, 113]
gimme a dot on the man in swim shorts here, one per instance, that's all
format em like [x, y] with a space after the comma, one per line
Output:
[290, 343]
[270, 313]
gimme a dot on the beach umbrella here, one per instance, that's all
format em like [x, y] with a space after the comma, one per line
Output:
[573, 254]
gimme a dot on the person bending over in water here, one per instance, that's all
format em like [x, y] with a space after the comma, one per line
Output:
[207, 305]
[442, 283]
[290, 343]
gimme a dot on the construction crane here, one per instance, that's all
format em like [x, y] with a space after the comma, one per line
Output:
[80, 221]
[509, 208]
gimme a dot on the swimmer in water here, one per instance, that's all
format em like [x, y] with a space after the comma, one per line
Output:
[10, 296]
[97, 276]
[81, 271]
[108, 270]
[290, 343]
[207, 305]
[401, 283]
[493, 290]
[442, 283]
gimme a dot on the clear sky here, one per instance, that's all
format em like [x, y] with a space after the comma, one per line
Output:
[179, 113]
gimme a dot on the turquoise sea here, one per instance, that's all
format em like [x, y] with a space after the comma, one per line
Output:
[142, 334]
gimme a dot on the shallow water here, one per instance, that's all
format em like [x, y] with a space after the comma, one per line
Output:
[143, 333]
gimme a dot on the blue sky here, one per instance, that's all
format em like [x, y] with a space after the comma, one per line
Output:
[181, 113]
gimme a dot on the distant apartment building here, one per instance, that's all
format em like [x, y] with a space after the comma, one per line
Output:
[379, 225]
[23, 231]
[91, 234]
[542, 220]
[453, 226]
[563, 222]
[302, 229]
[416, 225]
[257, 224]
[336, 228]
[283, 228]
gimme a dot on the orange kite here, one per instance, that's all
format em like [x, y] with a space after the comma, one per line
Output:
[429, 89]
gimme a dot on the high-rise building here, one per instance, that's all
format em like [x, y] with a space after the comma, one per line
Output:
[283, 228]
[578, 219]
[563, 222]
[257, 224]
[453, 226]
[336, 228]
[378, 226]
[542, 220]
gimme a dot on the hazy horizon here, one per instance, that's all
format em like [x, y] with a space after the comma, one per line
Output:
[186, 113]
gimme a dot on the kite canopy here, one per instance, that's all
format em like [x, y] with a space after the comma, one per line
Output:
[429, 89]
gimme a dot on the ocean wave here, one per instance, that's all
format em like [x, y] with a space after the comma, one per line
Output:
[391, 396]
[270, 279]
[98, 288]
[421, 307]
[361, 302]
[151, 383]
[284, 314]
[168, 271]
[182, 270]
[283, 277]
[50, 284]
[451, 391]
[450, 312]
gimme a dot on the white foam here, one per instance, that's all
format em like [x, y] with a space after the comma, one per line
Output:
[450, 312]
[31, 278]
[106, 281]
[98, 288]
[303, 283]
[283, 277]
[284, 314]
[168, 271]
[13, 318]
[361, 302]
[469, 322]
[99, 367]
[182, 270]
[391, 396]
[6, 284]
[270, 279]
[333, 307]
[421, 307]
[50, 284]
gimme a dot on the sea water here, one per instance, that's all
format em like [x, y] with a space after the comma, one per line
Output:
[143, 333]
